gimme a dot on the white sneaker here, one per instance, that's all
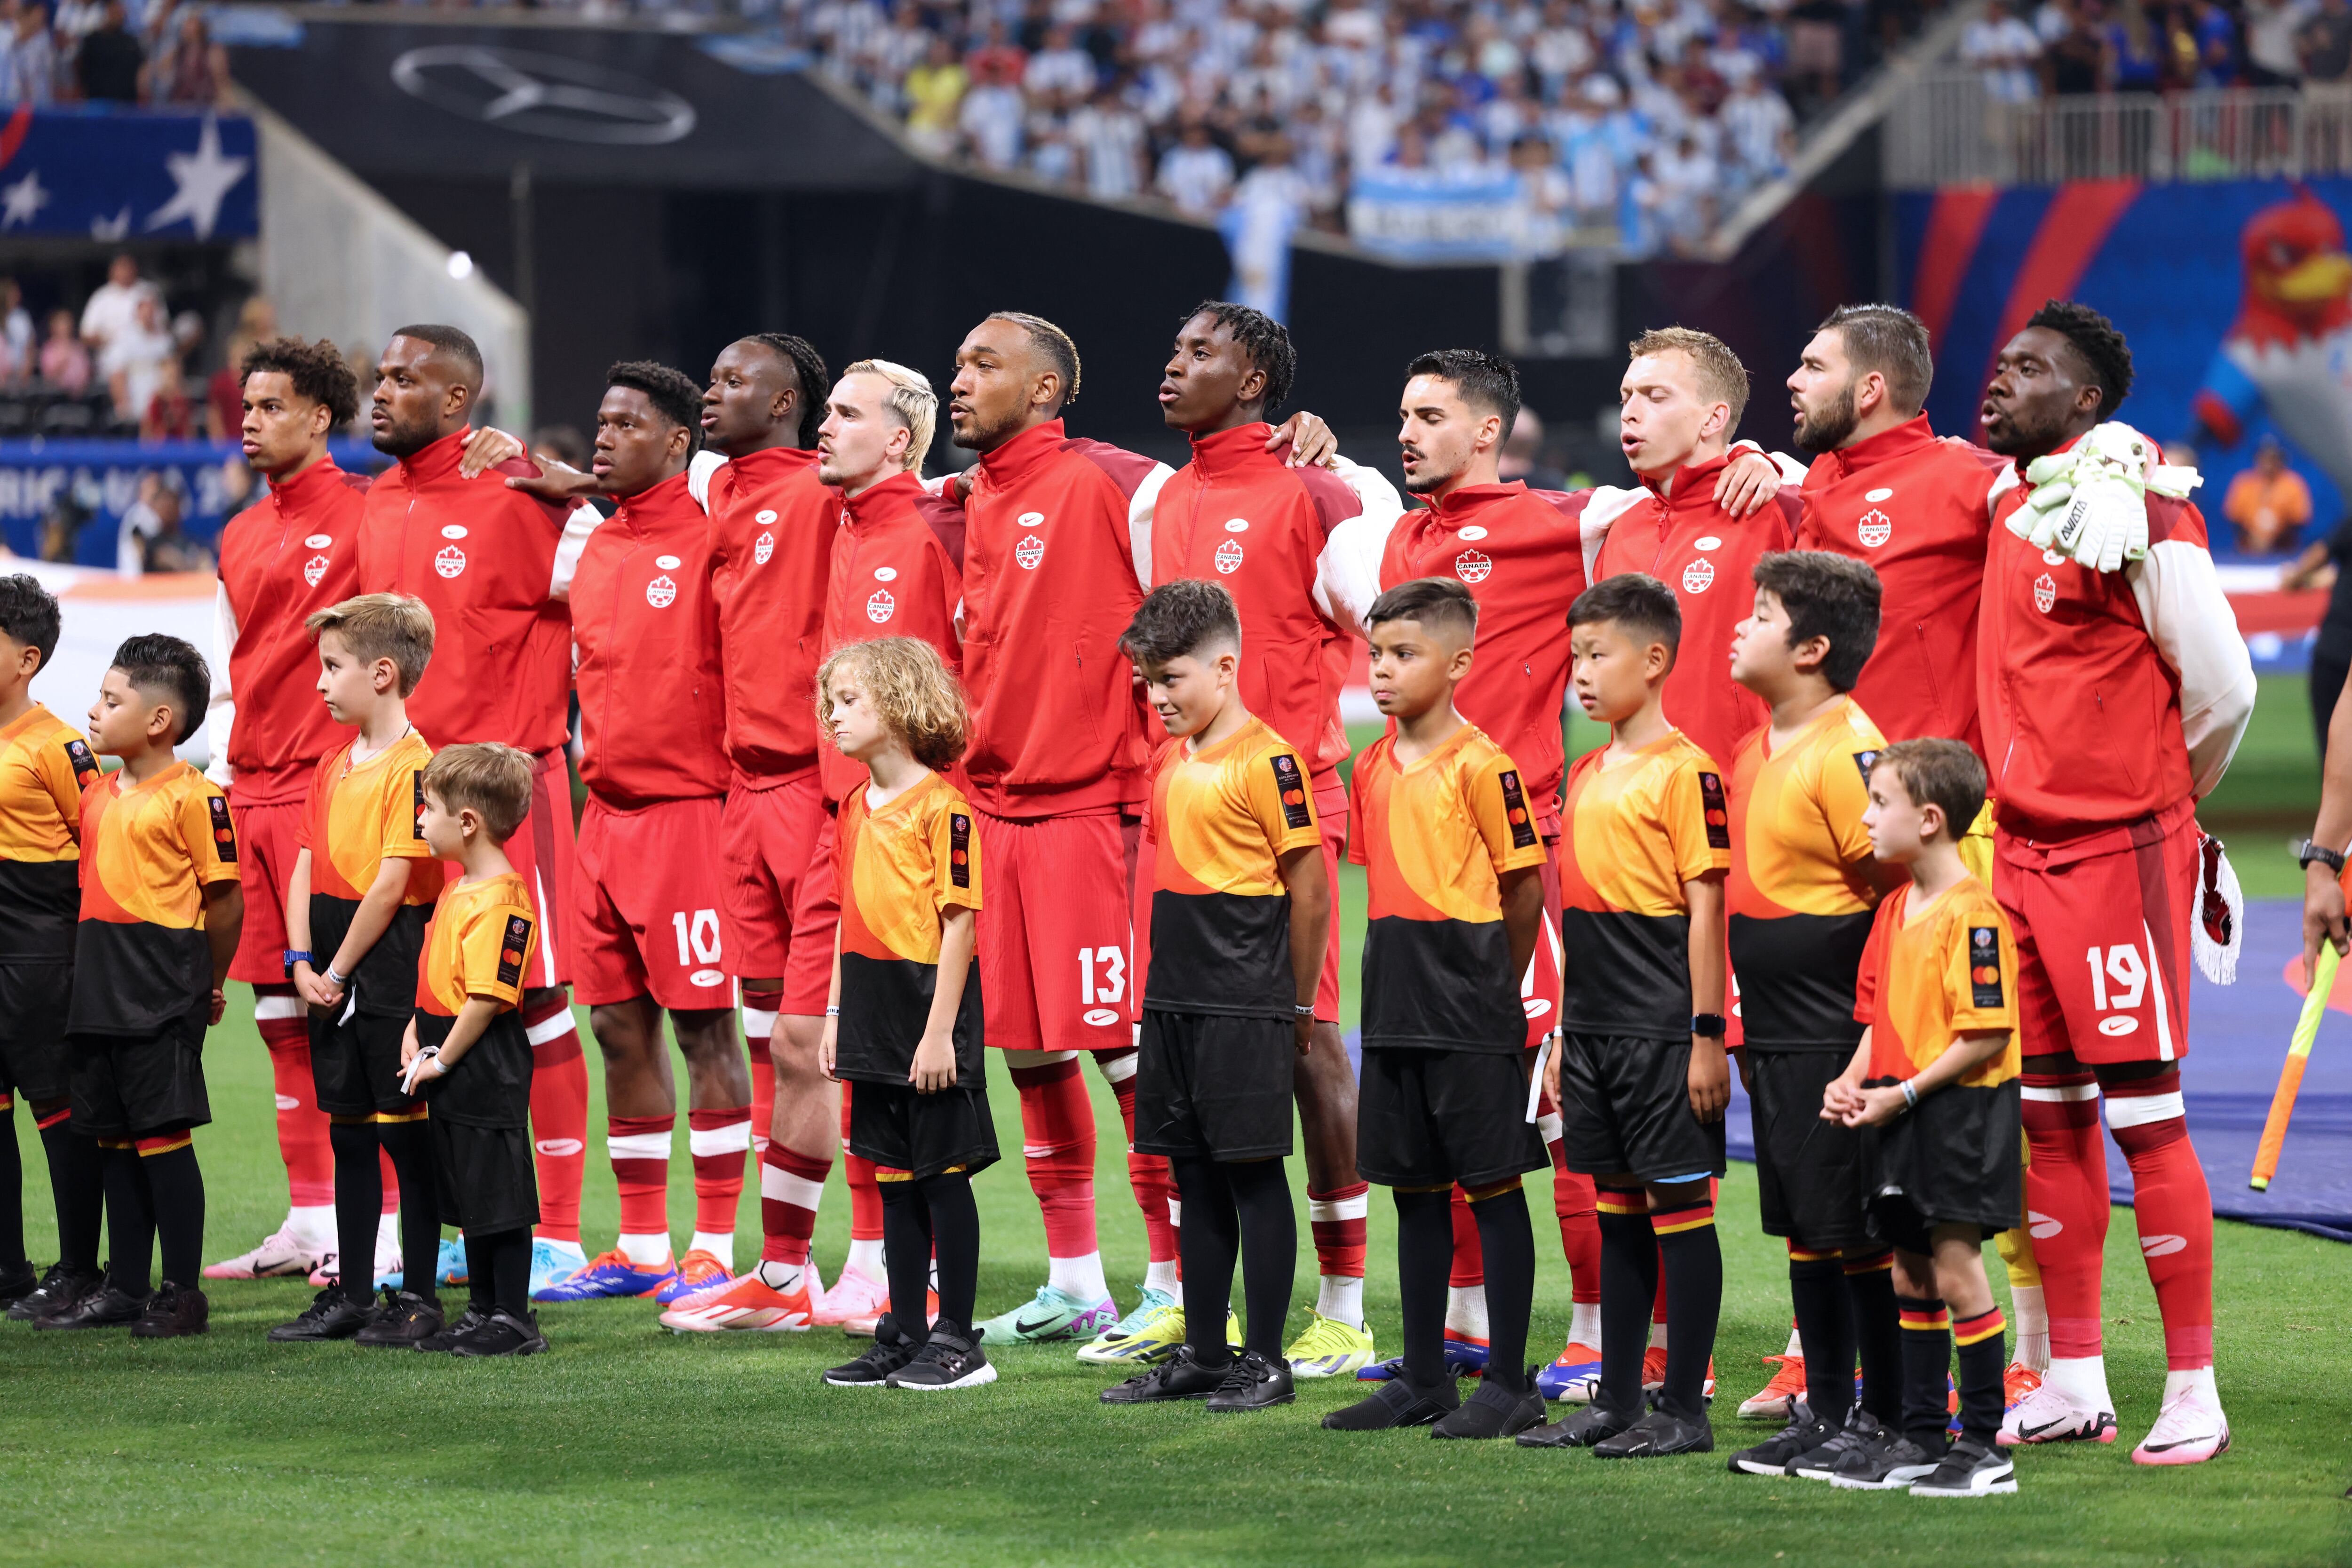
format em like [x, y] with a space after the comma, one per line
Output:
[2190, 1430]
[388, 1269]
[2048, 1414]
[281, 1255]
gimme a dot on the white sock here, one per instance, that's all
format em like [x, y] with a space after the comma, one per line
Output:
[1657, 1336]
[1795, 1343]
[782, 1277]
[2083, 1379]
[1584, 1324]
[722, 1247]
[647, 1251]
[2200, 1379]
[2030, 1319]
[1466, 1312]
[1340, 1297]
[1162, 1277]
[387, 1237]
[1079, 1278]
[866, 1258]
[312, 1227]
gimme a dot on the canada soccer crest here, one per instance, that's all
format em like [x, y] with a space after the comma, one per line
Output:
[661, 593]
[451, 561]
[881, 606]
[1874, 529]
[1698, 576]
[2045, 593]
[1029, 552]
[761, 548]
[314, 569]
[1229, 557]
[1472, 565]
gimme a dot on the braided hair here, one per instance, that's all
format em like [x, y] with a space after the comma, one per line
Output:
[1260, 336]
[808, 367]
[1052, 342]
[2094, 338]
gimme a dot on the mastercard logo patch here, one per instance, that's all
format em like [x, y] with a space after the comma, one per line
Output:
[1984, 974]
[1291, 798]
[512, 956]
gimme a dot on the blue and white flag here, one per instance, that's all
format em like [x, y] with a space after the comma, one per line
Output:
[91, 172]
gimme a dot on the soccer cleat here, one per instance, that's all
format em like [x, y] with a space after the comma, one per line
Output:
[1494, 1412]
[951, 1358]
[1862, 1433]
[1596, 1423]
[59, 1287]
[1328, 1348]
[745, 1302]
[332, 1315]
[1776, 1399]
[404, 1318]
[1573, 1376]
[1464, 1358]
[553, 1260]
[19, 1282]
[1653, 1372]
[609, 1275]
[1890, 1468]
[698, 1270]
[1049, 1315]
[440, 1340]
[174, 1312]
[1148, 1335]
[1254, 1382]
[330, 1270]
[390, 1273]
[106, 1307]
[503, 1334]
[892, 1351]
[1969, 1470]
[281, 1255]
[449, 1268]
[2016, 1381]
[2189, 1430]
[1773, 1456]
[1657, 1436]
[2048, 1415]
[1393, 1403]
[1178, 1377]
[856, 1297]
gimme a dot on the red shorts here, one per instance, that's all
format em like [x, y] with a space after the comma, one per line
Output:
[1054, 968]
[543, 855]
[2103, 950]
[777, 841]
[1540, 987]
[645, 907]
[266, 851]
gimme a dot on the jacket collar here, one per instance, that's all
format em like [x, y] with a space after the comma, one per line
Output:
[436, 459]
[1015, 458]
[1898, 441]
[309, 485]
[1694, 486]
[1222, 453]
[870, 506]
[659, 507]
[1460, 505]
[771, 463]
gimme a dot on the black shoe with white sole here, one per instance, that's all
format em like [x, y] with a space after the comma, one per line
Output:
[1774, 1455]
[1862, 1433]
[891, 1353]
[1892, 1467]
[951, 1358]
[1969, 1470]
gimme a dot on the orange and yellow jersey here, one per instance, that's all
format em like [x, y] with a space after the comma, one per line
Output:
[1222, 819]
[45, 765]
[899, 866]
[1435, 836]
[1803, 887]
[148, 853]
[479, 943]
[1633, 832]
[1935, 973]
[359, 815]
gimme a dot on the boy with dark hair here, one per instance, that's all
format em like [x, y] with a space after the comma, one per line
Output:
[161, 910]
[1240, 908]
[45, 765]
[356, 905]
[1933, 1084]
[1803, 883]
[1456, 874]
[1640, 1075]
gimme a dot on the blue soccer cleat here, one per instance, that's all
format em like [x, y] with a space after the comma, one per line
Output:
[1574, 1376]
[610, 1276]
[1464, 1358]
[552, 1261]
[451, 1268]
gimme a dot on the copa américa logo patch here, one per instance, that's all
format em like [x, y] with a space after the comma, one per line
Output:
[511, 951]
[84, 766]
[1719, 814]
[1984, 966]
[959, 849]
[1515, 807]
[417, 801]
[1291, 785]
[1863, 761]
[224, 833]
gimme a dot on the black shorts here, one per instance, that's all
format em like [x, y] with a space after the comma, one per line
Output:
[1958, 1158]
[1808, 1170]
[124, 1085]
[1430, 1118]
[34, 1060]
[1211, 1086]
[1624, 1110]
[922, 1134]
[355, 1063]
[484, 1176]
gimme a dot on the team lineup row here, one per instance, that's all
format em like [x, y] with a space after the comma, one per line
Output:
[1024, 574]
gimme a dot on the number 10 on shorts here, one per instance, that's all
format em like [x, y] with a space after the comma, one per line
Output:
[1102, 982]
[699, 934]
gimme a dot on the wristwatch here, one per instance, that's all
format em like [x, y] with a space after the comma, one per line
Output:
[2307, 851]
[293, 956]
[1710, 1024]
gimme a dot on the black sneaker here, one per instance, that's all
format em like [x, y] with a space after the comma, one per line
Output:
[1775, 1454]
[1495, 1411]
[1593, 1424]
[893, 1350]
[951, 1358]
[438, 1342]
[18, 1281]
[503, 1334]
[1254, 1382]
[404, 1318]
[1886, 1468]
[1178, 1377]
[1970, 1470]
[109, 1306]
[1862, 1432]
[1396, 1403]
[1657, 1436]
[332, 1315]
[172, 1312]
[61, 1287]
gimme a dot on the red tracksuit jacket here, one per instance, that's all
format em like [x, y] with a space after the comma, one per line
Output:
[773, 527]
[291, 553]
[652, 711]
[893, 576]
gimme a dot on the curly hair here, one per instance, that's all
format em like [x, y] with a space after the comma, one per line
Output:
[1265, 341]
[318, 371]
[808, 368]
[1052, 342]
[918, 698]
[2103, 350]
[673, 395]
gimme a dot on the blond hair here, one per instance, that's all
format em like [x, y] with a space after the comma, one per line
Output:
[1721, 377]
[493, 782]
[382, 625]
[918, 696]
[911, 400]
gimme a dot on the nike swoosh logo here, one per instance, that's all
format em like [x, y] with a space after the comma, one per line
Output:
[2167, 1448]
[2031, 1432]
[1025, 1326]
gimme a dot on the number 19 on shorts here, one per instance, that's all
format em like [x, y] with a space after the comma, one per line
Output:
[2118, 981]
[1102, 983]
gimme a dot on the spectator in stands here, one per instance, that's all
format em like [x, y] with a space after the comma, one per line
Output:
[2135, 50]
[1760, 131]
[935, 91]
[2076, 61]
[151, 538]
[65, 359]
[112, 308]
[193, 70]
[17, 332]
[2008, 53]
[257, 320]
[31, 72]
[1196, 176]
[107, 61]
[1817, 47]
[2268, 504]
[2270, 28]
[170, 413]
[132, 362]
[2206, 45]
[1109, 137]
[993, 111]
[2325, 43]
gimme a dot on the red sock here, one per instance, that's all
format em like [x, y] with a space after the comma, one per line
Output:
[865, 1191]
[391, 1181]
[559, 1117]
[1148, 1177]
[1658, 1306]
[302, 1125]
[759, 1035]
[2175, 1211]
[2066, 1204]
[639, 1147]
[1057, 1139]
[1469, 1258]
[1337, 1220]
[790, 1187]
[717, 1142]
[1573, 1201]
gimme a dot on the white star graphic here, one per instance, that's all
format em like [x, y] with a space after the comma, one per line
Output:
[203, 177]
[111, 228]
[23, 201]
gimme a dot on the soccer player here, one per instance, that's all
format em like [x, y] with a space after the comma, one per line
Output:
[493, 564]
[1239, 514]
[160, 916]
[464, 1050]
[1803, 884]
[653, 722]
[1640, 1055]
[363, 884]
[44, 765]
[1934, 1079]
[1239, 908]
[904, 1018]
[1455, 871]
[2110, 704]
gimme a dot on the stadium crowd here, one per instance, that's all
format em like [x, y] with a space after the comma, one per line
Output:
[2065, 47]
[158, 53]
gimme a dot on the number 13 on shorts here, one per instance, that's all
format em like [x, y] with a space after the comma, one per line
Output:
[1102, 983]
